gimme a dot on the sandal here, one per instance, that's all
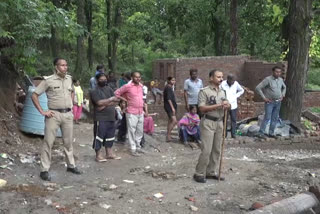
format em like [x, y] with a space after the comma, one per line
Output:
[101, 160]
[114, 157]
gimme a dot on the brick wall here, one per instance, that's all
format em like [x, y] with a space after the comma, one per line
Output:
[179, 68]
[249, 73]
[227, 64]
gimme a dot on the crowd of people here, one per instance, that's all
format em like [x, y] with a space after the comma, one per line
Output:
[122, 105]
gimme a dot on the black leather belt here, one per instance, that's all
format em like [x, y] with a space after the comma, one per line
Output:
[212, 118]
[63, 110]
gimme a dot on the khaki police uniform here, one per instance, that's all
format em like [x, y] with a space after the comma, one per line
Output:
[59, 92]
[211, 128]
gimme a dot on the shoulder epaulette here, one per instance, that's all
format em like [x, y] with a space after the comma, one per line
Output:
[47, 77]
[204, 88]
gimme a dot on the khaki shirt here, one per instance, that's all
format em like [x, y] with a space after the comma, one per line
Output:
[58, 91]
[209, 96]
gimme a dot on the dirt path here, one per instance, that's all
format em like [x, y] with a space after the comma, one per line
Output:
[264, 172]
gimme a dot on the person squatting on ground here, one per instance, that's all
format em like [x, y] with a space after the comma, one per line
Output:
[77, 101]
[233, 90]
[272, 90]
[189, 126]
[104, 103]
[59, 90]
[155, 90]
[212, 102]
[191, 88]
[170, 106]
[133, 93]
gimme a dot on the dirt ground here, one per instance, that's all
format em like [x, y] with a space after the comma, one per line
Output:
[255, 171]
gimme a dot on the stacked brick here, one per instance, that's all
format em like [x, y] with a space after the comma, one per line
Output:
[246, 106]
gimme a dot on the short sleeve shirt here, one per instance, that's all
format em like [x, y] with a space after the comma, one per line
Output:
[58, 91]
[168, 94]
[192, 88]
[108, 113]
[211, 96]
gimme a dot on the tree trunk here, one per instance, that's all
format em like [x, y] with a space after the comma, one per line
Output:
[89, 27]
[218, 40]
[115, 36]
[53, 42]
[81, 52]
[299, 43]
[234, 27]
[109, 27]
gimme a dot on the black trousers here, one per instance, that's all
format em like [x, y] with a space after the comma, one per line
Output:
[233, 119]
[122, 129]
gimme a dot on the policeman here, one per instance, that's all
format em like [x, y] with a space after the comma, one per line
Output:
[59, 90]
[212, 102]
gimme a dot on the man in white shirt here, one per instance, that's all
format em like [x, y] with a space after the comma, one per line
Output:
[233, 90]
[145, 91]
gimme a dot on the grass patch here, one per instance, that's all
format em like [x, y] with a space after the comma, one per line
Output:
[315, 109]
[312, 86]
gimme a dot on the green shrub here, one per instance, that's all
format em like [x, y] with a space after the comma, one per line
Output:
[314, 76]
[315, 109]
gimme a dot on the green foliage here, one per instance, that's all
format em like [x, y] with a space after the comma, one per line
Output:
[314, 76]
[148, 30]
[315, 109]
[307, 124]
[29, 22]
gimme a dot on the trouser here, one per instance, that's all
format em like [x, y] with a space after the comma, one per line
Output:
[135, 130]
[184, 134]
[211, 138]
[122, 129]
[65, 122]
[272, 110]
[233, 119]
[104, 132]
[77, 110]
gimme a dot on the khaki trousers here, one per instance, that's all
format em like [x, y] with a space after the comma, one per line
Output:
[65, 122]
[211, 138]
[135, 130]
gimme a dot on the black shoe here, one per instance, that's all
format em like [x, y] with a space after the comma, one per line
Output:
[273, 136]
[45, 176]
[74, 170]
[215, 177]
[199, 179]
[261, 136]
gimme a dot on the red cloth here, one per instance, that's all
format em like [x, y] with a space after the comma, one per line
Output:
[148, 125]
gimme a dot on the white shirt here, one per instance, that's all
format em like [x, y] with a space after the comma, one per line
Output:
[233, 92]
[145, 92]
